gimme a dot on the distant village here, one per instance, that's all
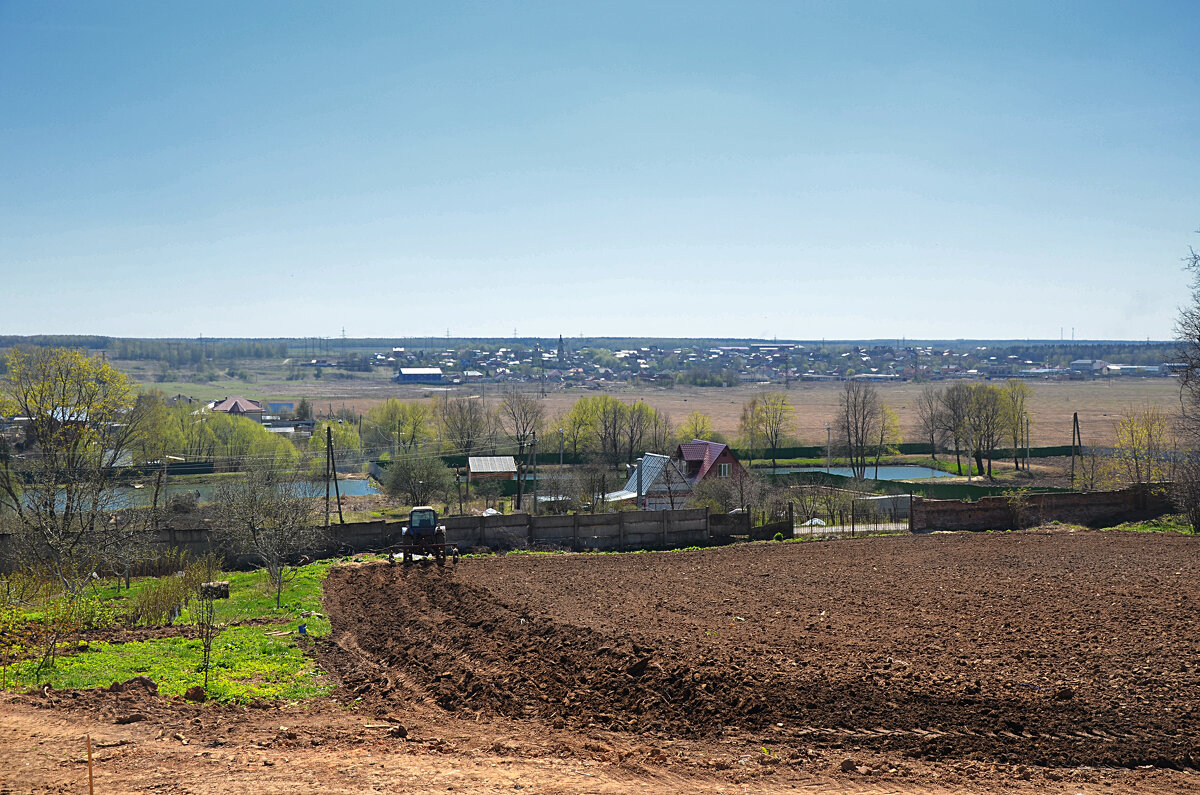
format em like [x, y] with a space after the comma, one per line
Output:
[727, 365]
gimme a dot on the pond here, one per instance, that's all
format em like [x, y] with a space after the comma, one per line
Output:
[352, 487]
[897, 472]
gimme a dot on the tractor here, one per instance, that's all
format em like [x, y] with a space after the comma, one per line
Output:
[423, 536]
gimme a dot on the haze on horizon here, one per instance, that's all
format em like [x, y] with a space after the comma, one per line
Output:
[801, 171]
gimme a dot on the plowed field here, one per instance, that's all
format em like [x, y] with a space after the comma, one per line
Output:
[1033, 662]
[1057, 650]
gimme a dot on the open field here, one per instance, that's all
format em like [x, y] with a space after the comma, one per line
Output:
[1037, 661]
[1051, 406]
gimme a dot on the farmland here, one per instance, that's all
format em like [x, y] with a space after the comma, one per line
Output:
[1051, 405]
[1051, 660]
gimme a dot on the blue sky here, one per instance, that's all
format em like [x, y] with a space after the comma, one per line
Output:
[792, 170]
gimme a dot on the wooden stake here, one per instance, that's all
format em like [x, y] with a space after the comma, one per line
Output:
[91, 790]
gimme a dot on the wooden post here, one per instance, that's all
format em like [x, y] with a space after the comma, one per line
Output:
[707, 526]
[529, 532]
[482, 531]
[575, 534]
[791, 533]
[620, 531]
[664, 528]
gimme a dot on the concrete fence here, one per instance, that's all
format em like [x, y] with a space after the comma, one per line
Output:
[622, 531]
[1094, 509]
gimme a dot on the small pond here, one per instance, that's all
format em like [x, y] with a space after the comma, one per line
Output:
[897, 472]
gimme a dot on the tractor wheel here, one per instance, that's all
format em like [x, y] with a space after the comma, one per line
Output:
[439, 550]
[408, 555]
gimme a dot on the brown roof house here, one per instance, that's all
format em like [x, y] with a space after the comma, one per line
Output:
[240, 407]
[701, 460]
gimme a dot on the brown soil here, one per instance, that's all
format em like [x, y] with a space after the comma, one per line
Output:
[1036, 661]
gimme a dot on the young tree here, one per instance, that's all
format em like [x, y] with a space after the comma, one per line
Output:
[1141, 448]
[60, 491]
[774, 421]
[1015, 415]
[696, 426]
[748, 425]
[268, 514]
[889, 435]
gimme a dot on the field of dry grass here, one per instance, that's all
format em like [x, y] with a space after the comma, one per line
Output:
[1051, 406]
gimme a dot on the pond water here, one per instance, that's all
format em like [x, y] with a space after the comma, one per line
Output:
[898, 472]
[356, 487]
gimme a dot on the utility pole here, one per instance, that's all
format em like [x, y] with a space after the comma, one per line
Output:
[533, 455]
[331, 474]
[828, 446]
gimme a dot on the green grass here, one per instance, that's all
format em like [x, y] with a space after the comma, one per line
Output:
[248, 662]
[1166, 524]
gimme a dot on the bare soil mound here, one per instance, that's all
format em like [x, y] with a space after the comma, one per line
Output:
[1049, 649]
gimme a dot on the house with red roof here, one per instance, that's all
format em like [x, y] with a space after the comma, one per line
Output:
[701, 459]
[239, 407]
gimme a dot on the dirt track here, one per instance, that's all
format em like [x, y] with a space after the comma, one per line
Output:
[1034, 661]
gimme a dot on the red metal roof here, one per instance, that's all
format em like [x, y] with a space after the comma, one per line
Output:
[704, 452]
[238, 405]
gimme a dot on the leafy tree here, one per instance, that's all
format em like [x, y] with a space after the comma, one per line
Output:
[696, 426]
[304, 410]
[772, 419]
[1142, 448]
[399, 425]
[60, 492]
[417, 478]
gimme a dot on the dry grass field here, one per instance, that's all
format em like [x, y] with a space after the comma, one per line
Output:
[1052, 404]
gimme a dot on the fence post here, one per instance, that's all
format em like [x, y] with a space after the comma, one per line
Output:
[664, 528]
[575, 534]
[620, 531]
[483, 531]
[707, 526]
[529, 530]
[791, 533]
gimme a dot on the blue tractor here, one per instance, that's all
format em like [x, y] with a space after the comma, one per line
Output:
[424, 536]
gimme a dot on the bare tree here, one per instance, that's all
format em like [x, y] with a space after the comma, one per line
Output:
[985, 423]
[638, 419]
[611, 416]
[860, 415]
[521, 416]
[929, 418]
[1015, 415]
[956, 409]
[269, 515]
[465, 423]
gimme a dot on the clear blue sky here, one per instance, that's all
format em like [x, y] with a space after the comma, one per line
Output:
[791, 169]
